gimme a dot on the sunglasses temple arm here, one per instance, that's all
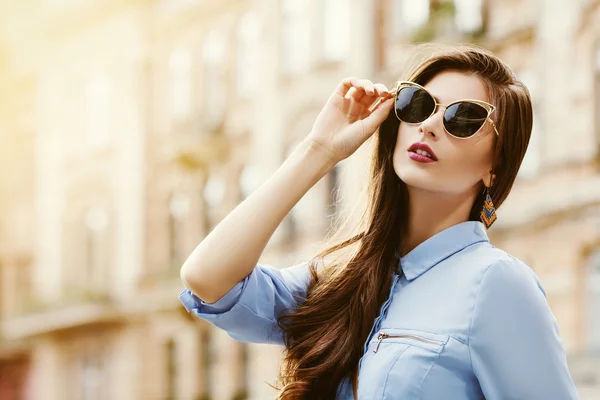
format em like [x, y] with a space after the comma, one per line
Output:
[381, 99]
[494, 126]
[375, 104]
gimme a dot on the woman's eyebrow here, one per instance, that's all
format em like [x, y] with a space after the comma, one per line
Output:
[436, 99]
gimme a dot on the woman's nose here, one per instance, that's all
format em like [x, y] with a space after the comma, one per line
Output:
[433, 125]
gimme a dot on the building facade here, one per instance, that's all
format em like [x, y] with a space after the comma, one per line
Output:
[133, 127]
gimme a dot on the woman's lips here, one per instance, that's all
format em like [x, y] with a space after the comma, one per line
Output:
[423, 150]
[419, 158]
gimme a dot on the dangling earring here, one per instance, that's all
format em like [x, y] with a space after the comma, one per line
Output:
[488, 214]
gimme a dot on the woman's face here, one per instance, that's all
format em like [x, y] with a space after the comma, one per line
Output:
[461, 163]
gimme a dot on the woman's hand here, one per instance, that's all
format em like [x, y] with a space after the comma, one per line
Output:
[347, 119]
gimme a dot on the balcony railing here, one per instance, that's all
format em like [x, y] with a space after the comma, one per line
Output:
[76, 307]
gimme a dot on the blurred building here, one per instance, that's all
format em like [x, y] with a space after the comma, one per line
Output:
[130, 128]
[17, 138]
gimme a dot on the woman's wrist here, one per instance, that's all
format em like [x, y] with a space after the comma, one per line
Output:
[314, 154]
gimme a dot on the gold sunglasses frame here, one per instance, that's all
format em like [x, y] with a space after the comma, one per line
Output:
[487, 106]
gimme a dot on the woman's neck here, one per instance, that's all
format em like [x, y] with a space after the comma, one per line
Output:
[432, 212]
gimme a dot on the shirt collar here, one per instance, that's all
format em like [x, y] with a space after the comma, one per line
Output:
[441, 246]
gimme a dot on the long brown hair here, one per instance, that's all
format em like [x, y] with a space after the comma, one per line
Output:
[325, 334]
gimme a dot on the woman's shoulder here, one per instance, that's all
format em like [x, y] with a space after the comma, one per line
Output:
[489, 264]
[507, 271]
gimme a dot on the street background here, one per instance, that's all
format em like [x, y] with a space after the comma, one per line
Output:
[129, 128]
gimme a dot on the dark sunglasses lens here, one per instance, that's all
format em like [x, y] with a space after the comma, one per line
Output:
[464, 119]
[413, 104]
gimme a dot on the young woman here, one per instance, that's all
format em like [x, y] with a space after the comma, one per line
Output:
[417, 303]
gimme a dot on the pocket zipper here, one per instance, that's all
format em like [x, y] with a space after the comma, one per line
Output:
[383, 335]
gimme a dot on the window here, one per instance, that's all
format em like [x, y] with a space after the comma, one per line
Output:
[179, 206]
[469, 15]
[248, 54]
[96, 251]
[593, 280]
[250, 180]
[242, 389]
[203, 206]
[242, 373]
[291, 231]
[532, 160]
[214, 195]
[214, 83]
[98, 113]
[92, 380]
[295, 37]
[410, 15]
[293, 222]
[597, 90]
[206, 361]
[171, 369]
[214, 190]
[336, 29]
[180, 67]
[245, 363]
[23, 287]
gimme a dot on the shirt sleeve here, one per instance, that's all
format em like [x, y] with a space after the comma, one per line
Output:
[515, 347]
[249, 311]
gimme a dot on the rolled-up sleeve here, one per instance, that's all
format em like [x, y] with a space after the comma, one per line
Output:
[249, 311]
[515, 347]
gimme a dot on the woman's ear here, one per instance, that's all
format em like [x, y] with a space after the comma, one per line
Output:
[488, 179]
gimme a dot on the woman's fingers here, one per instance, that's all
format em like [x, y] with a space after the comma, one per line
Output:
[381, 89]
[382, 93]
[376, 118]
[353, 112]
[364, 85]
[363, 92]
[364, 88]
[346, 84]
[368, 87]
[354, 93]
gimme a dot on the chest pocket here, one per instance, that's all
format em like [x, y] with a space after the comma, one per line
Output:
[396, 363]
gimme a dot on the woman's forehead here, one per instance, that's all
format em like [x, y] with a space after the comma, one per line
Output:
[449, 86]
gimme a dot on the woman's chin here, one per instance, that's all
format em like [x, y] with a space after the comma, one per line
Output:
[418, 177]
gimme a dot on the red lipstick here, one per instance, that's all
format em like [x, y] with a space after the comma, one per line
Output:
[422, 153]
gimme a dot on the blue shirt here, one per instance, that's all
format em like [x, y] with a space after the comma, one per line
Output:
[464, 320]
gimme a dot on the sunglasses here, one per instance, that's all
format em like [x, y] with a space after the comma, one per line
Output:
[462, 119]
